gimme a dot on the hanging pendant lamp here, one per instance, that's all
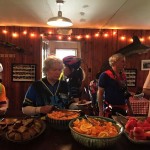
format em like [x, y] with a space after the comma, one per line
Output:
[59, 21]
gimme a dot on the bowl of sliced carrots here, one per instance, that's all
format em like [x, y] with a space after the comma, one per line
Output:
[59, 119]
[95, 132]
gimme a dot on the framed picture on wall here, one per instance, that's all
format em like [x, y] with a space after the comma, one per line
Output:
[131, 75]
[145, 64]
[23, 72]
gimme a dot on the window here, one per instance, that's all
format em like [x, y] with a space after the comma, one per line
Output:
[60, 48]
[61, 53]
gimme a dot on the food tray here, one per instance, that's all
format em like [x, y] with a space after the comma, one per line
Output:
[123, 122]
[96, 142]
[137, 141]
[27, 140]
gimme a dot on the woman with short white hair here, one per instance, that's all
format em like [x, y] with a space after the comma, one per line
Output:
[49, 92]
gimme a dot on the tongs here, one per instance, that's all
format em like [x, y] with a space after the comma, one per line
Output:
[87, 118]
[121, 118]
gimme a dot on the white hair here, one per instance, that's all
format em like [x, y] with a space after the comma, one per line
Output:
[1, 67]
[115, 58]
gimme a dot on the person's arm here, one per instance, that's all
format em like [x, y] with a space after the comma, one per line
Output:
[30, 110]
[146, 86]
[146, 92]
[3, 100]
[100, 93]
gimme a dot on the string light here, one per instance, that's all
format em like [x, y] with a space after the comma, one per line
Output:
[32, 35]
[25, 32]
[123, 38]
[87, 36]
[59, 37]
[130, 40]
[50, 32]
[78, 37]
[106, 35]
[96, 34]
[114, 32]
[142, 39]
[15, 35]
[69, 38]
[41, 35]
[5, 31]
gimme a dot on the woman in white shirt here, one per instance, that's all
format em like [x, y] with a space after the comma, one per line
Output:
[146, 86]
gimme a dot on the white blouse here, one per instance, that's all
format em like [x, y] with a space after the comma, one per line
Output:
[147, 82]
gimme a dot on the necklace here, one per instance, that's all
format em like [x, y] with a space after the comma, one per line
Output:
[50, 90]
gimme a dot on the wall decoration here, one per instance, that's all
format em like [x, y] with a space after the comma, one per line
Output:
[131, 75]
[11, 46]
[23, 72]
[145, 64]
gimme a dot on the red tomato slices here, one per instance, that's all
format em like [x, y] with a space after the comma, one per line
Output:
[138, 129]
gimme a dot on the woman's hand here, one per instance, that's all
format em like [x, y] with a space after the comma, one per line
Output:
[46, 109]
[3, 111]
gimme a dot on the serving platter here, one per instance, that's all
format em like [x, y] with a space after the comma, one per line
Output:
[123, 121]
[60, 119]
[4, 123]
[92, 139]
[136, 141]
[43, 127]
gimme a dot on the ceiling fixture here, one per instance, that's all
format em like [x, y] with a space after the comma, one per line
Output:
[59, 21]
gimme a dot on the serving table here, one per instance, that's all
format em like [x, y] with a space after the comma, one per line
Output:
[52, 139]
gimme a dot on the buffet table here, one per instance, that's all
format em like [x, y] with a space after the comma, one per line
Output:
[53, 139]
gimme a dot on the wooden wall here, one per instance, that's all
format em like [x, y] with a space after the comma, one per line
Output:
[94, 51]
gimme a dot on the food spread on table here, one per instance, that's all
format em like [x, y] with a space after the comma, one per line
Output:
[138, 129]
[98, 128]
[25, 129]
[63, 115]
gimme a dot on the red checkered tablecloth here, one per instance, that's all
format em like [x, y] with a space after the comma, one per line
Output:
[139, 106]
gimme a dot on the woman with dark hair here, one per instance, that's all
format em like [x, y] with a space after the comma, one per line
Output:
[74, 75]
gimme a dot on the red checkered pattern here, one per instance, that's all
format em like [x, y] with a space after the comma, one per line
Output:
[139, 106]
